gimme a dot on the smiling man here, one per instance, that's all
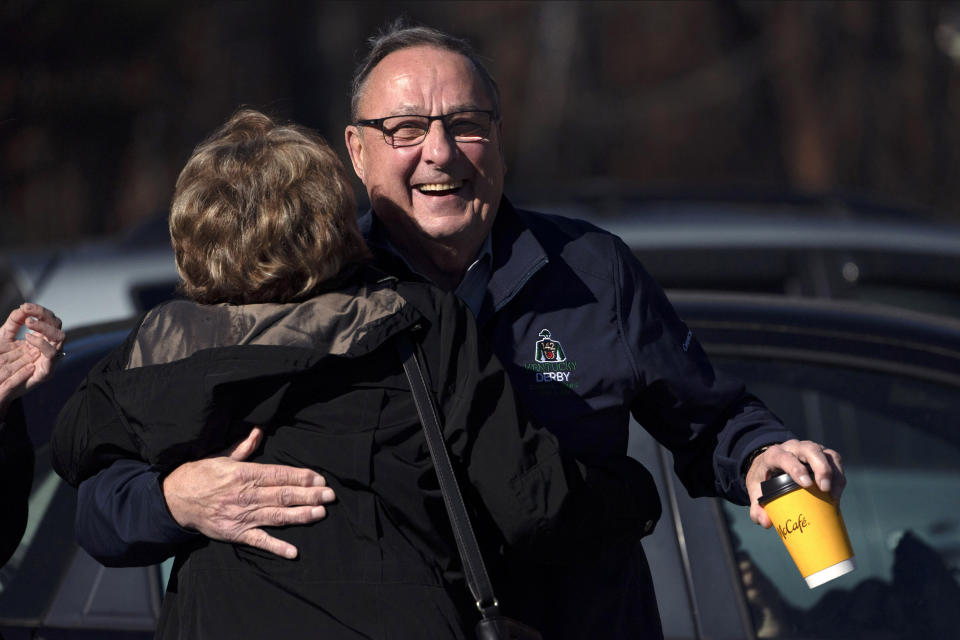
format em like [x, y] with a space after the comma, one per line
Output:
[586, 335]
[430, 157]
[426, 141]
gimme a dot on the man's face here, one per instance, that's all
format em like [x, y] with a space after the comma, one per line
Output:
[438, 189]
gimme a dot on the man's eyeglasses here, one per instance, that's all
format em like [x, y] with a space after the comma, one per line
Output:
[408, 131]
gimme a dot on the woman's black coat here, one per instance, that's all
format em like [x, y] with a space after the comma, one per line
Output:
[324, 379]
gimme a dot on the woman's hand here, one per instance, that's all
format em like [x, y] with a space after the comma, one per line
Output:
[26, 363]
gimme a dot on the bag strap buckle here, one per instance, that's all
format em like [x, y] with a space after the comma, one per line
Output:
[488, 610]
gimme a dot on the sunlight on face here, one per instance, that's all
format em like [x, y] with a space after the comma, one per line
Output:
[439, 189]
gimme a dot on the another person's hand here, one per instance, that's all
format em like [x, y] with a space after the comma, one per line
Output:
[28, 362]
[227, 499]
[790, 457]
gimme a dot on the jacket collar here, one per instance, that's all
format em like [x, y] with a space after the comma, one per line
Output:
[516, 254]
[350, 322]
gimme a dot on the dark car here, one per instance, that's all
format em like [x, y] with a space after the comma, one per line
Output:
[800, 246]
[880, 385]
[101, 280]
[51, 588]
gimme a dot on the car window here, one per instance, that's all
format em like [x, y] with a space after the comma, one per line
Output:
[30, 577]
[928, 300]
[49, 580]
[900, 440]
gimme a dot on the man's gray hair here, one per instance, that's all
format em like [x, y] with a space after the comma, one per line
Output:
[401, 35]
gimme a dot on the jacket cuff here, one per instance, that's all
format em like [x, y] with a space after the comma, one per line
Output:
[167, 527]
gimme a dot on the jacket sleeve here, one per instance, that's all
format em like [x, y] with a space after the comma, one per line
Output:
[539, 499]
[16, 477]
[90, 432]
[122, 518]
[708, 420]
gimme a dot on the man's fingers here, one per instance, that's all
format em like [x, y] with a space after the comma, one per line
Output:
[278, 518]
[278, 475]
[759, 516]
[797, 458]
[826, 469]
[286, 496]
[839, 478]
[262, 540]
[794, 457]
[821, 466]
[281, 517]
[786, 457]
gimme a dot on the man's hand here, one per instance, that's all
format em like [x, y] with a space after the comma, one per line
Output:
[790, 457]
[26, 363]
[227, 499]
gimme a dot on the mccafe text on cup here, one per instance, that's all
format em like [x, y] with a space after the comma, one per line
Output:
[811, 526]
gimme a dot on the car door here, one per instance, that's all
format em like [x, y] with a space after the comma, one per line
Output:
[883, 388]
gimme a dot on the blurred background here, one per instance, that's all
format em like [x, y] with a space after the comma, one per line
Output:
[806, 151]
[101, 103]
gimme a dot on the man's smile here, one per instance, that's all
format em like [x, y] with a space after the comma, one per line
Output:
[439, 188]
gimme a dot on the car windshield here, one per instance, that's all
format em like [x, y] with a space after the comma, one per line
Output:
[900, 442]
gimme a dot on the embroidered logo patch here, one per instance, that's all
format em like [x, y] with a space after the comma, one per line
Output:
[551, 366]
[548, 349]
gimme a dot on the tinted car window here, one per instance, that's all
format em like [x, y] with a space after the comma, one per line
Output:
[909, 280]
[901, 445]
[49, 583]
[33, 573]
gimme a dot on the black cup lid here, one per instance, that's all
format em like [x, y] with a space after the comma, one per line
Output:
[776, 487]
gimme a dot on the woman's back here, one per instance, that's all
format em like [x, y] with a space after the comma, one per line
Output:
[324, 380]
[381, 565]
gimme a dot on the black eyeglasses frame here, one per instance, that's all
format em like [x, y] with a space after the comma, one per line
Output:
[377, 123]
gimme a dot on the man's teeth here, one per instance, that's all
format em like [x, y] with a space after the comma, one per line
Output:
[440, 187]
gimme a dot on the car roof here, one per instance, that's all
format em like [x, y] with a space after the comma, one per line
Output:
[866, 335]
[700, 221]
[99, 280]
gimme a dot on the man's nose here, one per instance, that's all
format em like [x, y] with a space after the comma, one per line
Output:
[438, 146]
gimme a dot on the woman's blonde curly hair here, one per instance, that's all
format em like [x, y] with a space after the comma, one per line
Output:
[262, 212]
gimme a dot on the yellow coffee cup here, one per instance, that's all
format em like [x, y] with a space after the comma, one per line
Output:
[811, 526]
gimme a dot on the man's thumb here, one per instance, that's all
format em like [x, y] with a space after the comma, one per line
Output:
[243, 449]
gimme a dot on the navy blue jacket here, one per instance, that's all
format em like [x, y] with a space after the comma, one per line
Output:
[587, 338]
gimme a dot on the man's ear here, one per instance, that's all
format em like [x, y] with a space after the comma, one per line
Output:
[354, 142]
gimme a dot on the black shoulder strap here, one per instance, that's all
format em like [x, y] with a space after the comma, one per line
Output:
[476, 571]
